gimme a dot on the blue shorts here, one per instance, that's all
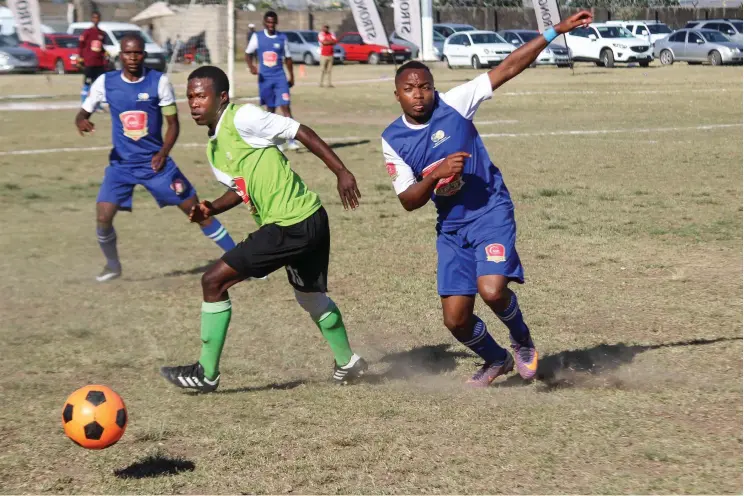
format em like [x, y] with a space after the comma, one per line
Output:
[486, 246]
[273, 92]
[168, 187]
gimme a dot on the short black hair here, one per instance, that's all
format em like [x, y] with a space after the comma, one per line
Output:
[271, 13]
[413, 64]
[95, 12]
[218, 77]
[132, 36]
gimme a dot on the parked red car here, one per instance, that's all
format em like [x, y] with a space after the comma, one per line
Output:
[60, 54]
[357, 50]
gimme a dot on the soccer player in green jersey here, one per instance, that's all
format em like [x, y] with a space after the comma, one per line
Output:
[293, 232]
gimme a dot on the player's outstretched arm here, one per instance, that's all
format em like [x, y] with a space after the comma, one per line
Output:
[206, 209]
[523, 56]
[418, 194]
[82, 123]
[347, 186]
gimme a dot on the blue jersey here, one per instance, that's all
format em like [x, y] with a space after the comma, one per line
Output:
[136, 116]
[414, 151]
[270, 52]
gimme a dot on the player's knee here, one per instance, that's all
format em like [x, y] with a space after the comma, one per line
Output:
[494, 294]
[211, 282]
[316, 304]
[456, 321]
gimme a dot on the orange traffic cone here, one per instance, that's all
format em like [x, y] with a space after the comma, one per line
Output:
[302, 71]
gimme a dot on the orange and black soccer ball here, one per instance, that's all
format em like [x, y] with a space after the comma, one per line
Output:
[94, 417]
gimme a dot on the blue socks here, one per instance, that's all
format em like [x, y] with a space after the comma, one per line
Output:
[512, 318]
[217, 233]
[84, 92]
[481, 342]
[107, 242]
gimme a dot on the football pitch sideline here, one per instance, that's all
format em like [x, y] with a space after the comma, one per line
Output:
[628, 192]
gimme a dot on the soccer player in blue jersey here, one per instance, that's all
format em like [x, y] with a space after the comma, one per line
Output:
[434, 151]
[272, 51]
[139, 99]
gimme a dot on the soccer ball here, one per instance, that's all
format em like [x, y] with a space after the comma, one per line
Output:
[94, 417]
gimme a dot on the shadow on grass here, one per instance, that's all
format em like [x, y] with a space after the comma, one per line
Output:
[199, 269]
[428, 360]
[155, 466]
[278, 386]
[344, 144]
[572, 368]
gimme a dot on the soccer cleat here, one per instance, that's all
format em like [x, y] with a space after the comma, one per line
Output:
[490, 371]
[108, 274]
[526, 359]
[190, 377]
[350, 372]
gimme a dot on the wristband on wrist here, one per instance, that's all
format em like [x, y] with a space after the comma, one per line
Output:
[550, 34]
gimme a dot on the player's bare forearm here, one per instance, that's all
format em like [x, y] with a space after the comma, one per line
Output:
[81, 116]
[417, 195]
[519, 60]
[320, 149]
[171, 133]
[251, 61]
[290, 70]
[225, 202]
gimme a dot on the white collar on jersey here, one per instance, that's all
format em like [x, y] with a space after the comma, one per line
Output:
[414, 126]
[266, 32]
[132, 82]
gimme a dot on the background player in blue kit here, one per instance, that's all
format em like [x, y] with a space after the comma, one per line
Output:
[139, 98]
[272, 51]
[434, 151]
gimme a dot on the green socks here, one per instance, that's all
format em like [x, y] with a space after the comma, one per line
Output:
[332, 327]
[215, 318]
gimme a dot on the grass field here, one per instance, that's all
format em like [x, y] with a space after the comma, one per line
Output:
[628, 193]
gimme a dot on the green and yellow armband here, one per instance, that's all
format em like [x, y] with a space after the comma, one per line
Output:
[169, 109]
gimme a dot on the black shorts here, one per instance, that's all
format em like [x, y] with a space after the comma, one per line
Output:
[90, 74]
[302, 248]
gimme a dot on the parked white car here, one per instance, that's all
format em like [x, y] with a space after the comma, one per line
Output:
[647, 30]
[476, 49]
[114, 32]
[606, 45]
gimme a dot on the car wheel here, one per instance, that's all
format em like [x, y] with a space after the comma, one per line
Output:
[644, 64]
[714, 58]
[59, 67]
[608, 58]
[666, 57]
[373, 58]
[449, 66]
[475, 62]
[308, 59]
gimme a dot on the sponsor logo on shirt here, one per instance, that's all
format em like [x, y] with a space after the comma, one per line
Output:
[448, 186]
[242, 190]
[134, 123]
[439, 137]
[392, 172]
[495, 252]
[277, 45]
[269, 59]
[143, 97]
[96, 45]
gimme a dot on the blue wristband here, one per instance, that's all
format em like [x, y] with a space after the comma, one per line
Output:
[550, 34]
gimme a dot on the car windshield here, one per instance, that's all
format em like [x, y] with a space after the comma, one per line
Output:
[658, 29]
[310, 36]
[8, 41]
[528, 35]
[67, 42]
[125, 32]
[737, 25]
[613, 32]
[484, 38]
[457, 29]
[438, 36]
[714, 37]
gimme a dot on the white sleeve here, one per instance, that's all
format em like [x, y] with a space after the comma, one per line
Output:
[254, 122]
[96, 94]
[467, 97]
[399, 171]
[252, 44]
[287, 53]
[165, 92]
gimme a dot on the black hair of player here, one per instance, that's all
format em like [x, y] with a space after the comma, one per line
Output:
[133, 37]
[412, 65]
[218, 77]
[271, 14]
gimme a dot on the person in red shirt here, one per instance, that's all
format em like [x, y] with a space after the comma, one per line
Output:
[92, 54]
[326, 40]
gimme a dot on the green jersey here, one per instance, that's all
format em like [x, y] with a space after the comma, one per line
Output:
[244, 157]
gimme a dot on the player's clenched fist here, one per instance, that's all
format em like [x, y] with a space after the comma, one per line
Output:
[201, 211]
[84, 126]
[451, 165]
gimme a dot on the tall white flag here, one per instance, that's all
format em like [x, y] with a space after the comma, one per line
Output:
[28, 20]
[368, 22]
[548, 15]
[408, 20]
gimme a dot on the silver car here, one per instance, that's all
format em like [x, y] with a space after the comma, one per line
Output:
[553, 54]
[14, 58]
[304, 47]
[438, 44]
[696, 46]
[732, 28]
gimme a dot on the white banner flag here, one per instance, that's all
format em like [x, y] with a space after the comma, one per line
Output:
[548, 15]
[28, 21]
[407, 15]
[368, 22]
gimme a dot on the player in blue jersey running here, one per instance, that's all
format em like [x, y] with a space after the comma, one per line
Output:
[272, 51]
[434, 151]
[139, 99]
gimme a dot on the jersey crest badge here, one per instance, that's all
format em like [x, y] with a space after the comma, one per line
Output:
[143, 97]
[495, 252]
[269, 59]
[448, 186]
[438, 138]
[134, 123]
[242, 190]
[391, 170]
